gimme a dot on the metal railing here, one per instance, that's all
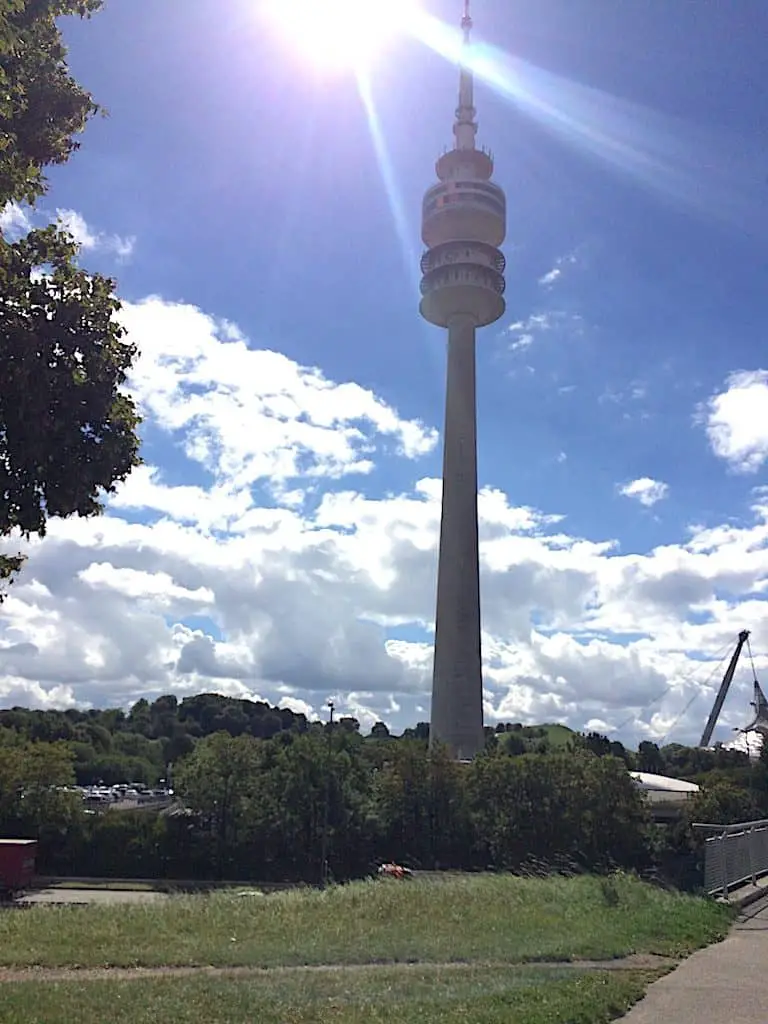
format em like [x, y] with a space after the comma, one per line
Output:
[734, 855]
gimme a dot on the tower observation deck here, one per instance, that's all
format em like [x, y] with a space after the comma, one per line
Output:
[463, 224]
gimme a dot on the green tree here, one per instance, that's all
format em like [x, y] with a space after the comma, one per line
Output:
[614, 817]
[67, 431]
[650, 758]
[33, 787]
[593, 741]
[555, 808]
[512, 743]
[420, 805]
[722, 804]
[217, 781]
[287, 812]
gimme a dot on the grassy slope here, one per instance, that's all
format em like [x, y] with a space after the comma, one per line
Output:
[558, 736]
[391, 995]
[473, 918]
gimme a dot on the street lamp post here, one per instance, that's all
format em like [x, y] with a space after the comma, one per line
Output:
[326, 810]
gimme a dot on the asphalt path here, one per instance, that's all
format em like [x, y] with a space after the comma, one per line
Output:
[102, 896]
[725, 983]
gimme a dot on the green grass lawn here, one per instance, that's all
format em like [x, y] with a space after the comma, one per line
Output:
[405, 995]
[558, 735]
[482, 918]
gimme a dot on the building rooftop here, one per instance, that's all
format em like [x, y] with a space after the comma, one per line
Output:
[663, 783]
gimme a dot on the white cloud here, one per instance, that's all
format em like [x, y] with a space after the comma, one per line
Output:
[736, 421]
[299, 707]
[523, 340]
[122, 246]
[553, 275]
[75, 224]
[85, 236]
[249, 415]
[525, 332]
[19, 219]
[157, 588]
[636, 391]
[99, 613]
[15, 220]
[645, 490]
[209, 508]
[294, 596]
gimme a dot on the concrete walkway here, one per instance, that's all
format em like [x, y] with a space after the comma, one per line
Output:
[103, 896]
[725, 983]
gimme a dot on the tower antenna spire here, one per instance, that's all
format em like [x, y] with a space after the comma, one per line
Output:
[465, 127]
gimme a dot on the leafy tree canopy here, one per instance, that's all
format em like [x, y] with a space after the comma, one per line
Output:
[67, 432]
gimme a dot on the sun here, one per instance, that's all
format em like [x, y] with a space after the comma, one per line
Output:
[337, 35]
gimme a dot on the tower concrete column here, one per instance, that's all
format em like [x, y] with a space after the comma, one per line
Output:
[464, 221]
[457, 685]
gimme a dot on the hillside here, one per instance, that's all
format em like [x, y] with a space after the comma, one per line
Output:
[524, 739]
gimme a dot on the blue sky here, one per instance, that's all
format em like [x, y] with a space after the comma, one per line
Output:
[628, 138]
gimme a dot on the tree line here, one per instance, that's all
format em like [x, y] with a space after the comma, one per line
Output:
[143, 743]
[262, 793]
[298, 805]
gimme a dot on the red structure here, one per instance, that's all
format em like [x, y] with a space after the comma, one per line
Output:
[17, 864]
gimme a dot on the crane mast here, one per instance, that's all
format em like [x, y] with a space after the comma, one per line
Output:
[722, 693]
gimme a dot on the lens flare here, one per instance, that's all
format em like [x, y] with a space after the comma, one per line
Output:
[338, 35]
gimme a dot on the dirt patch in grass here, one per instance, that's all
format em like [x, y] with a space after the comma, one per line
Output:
[394, 995]
[635, 962]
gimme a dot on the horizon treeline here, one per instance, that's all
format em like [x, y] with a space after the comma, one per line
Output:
[257, 789]
[143, 744]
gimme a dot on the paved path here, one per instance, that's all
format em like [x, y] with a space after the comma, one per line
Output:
[724, 984]
[103, 896]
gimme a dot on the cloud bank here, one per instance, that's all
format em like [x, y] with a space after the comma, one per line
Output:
[255, 554]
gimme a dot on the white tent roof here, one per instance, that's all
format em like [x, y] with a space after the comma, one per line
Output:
[663, 783]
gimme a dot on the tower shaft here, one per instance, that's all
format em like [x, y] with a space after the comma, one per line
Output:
[464, 221]
[457, 687]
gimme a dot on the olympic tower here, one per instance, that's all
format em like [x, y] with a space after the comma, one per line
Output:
[462, 287]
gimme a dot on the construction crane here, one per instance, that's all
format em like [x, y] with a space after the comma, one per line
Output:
[722, 693]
